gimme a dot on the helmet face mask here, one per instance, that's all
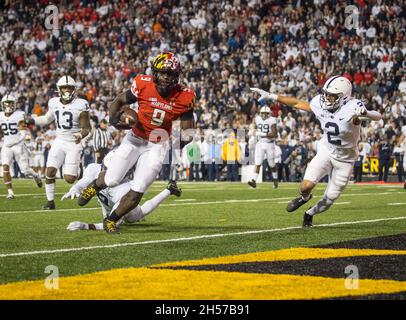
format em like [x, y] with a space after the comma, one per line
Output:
[336, 92]
[265, 112]
[66, 92]
[331, 100]
[66, 88]
[8, 104]
[166, 72]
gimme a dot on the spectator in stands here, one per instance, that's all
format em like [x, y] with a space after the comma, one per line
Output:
[385, 155]
[231, 154]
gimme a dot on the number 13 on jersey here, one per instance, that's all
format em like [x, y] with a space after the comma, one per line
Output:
[158, 117]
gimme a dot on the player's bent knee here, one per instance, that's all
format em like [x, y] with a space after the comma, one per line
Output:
[111, 181]
[307, 186]
[70, 179]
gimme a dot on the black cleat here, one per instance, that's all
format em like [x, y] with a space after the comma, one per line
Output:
[252, 183]
[297, 203]
[110, 226]
[307, 221]
[49, 206]
[38, 181]
[275, 184]
[87, 194]
[173, 188]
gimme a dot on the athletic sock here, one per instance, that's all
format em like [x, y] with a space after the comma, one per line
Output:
[152, 204]
[275, 175]
[255, 176]
[10, 191]
[320, 206]
[50, 191]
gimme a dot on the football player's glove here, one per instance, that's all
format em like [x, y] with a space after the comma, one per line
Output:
[361, 111]
[72, 194]
[265, 94]
[77, 225]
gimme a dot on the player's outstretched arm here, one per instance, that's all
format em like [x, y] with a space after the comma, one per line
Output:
[364, 113]
[120, 101]
[41, 120]
[286, 100]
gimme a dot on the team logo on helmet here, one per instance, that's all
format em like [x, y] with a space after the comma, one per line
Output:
[166, 61]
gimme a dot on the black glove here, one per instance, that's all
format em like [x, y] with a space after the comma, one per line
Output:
[29, 121]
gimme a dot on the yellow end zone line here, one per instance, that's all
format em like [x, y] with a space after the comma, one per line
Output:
[207, 236]
[162, 284]
[284, 255]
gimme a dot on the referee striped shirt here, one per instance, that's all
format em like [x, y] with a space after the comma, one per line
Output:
[100, 139]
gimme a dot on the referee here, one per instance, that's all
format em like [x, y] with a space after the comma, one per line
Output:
[102, 141]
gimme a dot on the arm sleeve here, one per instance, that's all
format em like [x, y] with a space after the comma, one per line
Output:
[131, 97]
[44, 120]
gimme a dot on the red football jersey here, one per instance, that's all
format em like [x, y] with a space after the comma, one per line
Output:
[155, 112]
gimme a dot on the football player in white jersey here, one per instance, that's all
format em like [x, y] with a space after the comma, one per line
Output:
[402, 140]
[340, 117]
[38, 153]
[13, 129]
[109, 198]
[71, 116]
[266, 133]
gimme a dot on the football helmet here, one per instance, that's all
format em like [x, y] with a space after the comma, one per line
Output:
[265, 111]
[66, 88]
[336, 92]
[8, 103]
[166, 71]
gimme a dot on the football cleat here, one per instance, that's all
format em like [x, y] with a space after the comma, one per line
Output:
[307, 221]
[38, 181]
[87, 194]
[110, 226]
[49, 206]
[10, 196]
[173, 188]
[252, 183]
[275, 184]
[297, 203]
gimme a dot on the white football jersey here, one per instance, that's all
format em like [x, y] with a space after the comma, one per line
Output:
[340, 135]
[264, 126]
[39, 146]
[9, 126]
[66, 117]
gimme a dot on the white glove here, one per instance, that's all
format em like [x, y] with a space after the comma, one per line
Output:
[361, 111]
[265, 94]
[77, 225]
[72, 193]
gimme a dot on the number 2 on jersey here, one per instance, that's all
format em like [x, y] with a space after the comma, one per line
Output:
[334, 133]
[158, 117]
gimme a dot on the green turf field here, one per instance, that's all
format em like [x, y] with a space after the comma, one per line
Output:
[209, 220]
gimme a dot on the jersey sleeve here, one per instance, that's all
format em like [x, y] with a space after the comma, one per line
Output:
[404, 130]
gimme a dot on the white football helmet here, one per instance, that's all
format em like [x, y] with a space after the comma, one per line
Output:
[265, 111]
[8, 103]
[336, 92]
[66, 82]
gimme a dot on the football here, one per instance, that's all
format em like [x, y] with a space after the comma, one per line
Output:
[128, 117]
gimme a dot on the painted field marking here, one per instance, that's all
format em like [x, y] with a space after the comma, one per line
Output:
[211, 202]
[184, 200]
[207, 236]
[397, 204]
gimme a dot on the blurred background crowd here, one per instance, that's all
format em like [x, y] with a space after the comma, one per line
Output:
[225, 47]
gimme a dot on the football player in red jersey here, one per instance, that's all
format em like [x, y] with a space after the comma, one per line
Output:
[161, 100]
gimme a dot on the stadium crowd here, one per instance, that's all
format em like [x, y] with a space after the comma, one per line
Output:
[226, 47]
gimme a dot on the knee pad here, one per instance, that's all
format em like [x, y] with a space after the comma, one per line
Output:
[333, 193]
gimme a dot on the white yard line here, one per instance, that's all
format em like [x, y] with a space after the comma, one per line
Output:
[51, 211]
[282, 201]
[17, 195]
[339, 203]
[397, 204]
[184, 200]
[206, 236]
